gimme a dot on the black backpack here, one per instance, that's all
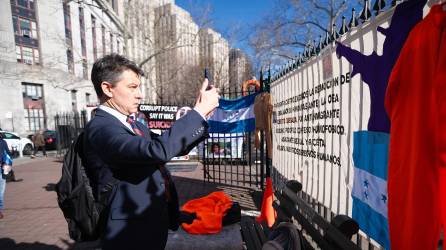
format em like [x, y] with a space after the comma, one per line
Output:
[285, 236]
[75, 196]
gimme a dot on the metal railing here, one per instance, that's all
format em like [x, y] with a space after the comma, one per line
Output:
[232, 158]
[68, 127]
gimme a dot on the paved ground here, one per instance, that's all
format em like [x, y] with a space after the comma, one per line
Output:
[33, 219]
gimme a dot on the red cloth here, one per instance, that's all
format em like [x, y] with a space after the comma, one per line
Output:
[416, 104]
[209, 210]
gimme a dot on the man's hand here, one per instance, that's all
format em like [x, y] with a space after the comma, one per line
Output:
[207, 99]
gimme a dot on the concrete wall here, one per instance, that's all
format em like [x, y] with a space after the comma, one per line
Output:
[7, 43]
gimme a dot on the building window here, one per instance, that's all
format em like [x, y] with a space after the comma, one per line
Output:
[27, 55]
[82, 32]
[24, 27]
[85, 68]
[83, 43]
[34, 29]
[104, 51]
[15, 24]
[18, 52]
[70, 60]
[118, 46]
[25, 31]
[93, 32]
[111, 43]
[68, 38]
[113, 4]
[74, 100]
[87, 98]
[34, 106]
[27, 4]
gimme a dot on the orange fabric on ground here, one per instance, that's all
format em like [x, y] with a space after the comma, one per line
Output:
[416, 104]
[209, 210]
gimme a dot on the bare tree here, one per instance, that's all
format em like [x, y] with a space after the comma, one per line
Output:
[168, 70]
[291, 25]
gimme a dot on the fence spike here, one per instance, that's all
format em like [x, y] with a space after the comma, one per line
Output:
[320, 45]
[394, 2]
[379, 6]
[327, 39]
[310, 50]
[353, 21]
[365, 14]
[344, 27]
[334, 33]
[269, 74]
[313, 48]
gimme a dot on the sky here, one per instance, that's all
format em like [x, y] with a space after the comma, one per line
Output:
[228, 14]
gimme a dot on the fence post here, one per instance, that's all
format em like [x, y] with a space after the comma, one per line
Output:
[262, 146]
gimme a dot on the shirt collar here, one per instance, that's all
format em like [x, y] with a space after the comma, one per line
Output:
[121, 117]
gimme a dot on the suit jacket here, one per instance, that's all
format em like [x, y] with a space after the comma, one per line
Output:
[138, 211]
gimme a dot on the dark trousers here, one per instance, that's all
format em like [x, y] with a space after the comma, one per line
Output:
[36, 148]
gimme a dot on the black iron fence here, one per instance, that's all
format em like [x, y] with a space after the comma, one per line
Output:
[227, 158]
[68, 127]
[232, 158]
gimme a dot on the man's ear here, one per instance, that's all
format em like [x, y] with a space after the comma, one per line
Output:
[107, 89]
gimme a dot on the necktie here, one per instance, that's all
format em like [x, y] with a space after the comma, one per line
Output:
[161, 168]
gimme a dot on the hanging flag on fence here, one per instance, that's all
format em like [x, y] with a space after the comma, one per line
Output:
[234, 115]
[370, 157]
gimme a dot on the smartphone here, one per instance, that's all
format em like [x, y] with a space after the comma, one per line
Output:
[208, 76]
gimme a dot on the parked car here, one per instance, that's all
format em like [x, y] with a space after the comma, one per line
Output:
[15, 142]
[50, 137]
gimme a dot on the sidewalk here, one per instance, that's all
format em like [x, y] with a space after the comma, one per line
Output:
[33, 219]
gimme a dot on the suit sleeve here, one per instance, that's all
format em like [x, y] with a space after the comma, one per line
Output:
[124, 149]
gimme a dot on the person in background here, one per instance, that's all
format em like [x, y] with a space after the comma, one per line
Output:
[216, 149]
[5, 168]
[39, 142]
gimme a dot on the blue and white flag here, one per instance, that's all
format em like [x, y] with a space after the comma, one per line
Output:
[370, 158]
[234, 116]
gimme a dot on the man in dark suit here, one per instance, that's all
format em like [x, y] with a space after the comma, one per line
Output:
[143, 203]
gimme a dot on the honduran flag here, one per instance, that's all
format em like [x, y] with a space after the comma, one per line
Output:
[370, 158]
[234, 116]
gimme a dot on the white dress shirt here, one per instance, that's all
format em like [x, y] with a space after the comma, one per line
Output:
[121, 117]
